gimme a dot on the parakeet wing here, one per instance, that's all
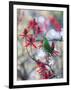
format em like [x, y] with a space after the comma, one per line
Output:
[47, 46]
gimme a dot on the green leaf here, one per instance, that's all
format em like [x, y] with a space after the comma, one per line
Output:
[47, 46]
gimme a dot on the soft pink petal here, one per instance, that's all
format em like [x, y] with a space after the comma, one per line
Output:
[27, 44]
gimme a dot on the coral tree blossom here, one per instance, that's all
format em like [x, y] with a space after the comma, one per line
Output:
[55, 52]
[43, 71]
[38, 30]
[25, 34]
[55, 23]
[31, 41]
[32, 24]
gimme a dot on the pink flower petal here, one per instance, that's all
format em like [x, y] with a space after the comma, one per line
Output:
[34, 45]
[27, 44]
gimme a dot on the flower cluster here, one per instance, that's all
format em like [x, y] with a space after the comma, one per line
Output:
[55, 23]
[44, 72]
[31, 33]
[31, 38]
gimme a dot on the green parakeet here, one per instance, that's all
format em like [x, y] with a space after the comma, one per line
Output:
[47, 47]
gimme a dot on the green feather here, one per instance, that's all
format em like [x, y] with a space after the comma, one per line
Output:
[47, 46]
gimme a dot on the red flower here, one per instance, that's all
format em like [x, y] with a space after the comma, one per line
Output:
[43, 71]
[24, 33]
[31, 41]
[38, 30]
[32, 24]
[55, 53]
[55, 23]
[40, 64]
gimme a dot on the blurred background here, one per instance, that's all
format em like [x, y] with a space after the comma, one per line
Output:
[26, 67]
